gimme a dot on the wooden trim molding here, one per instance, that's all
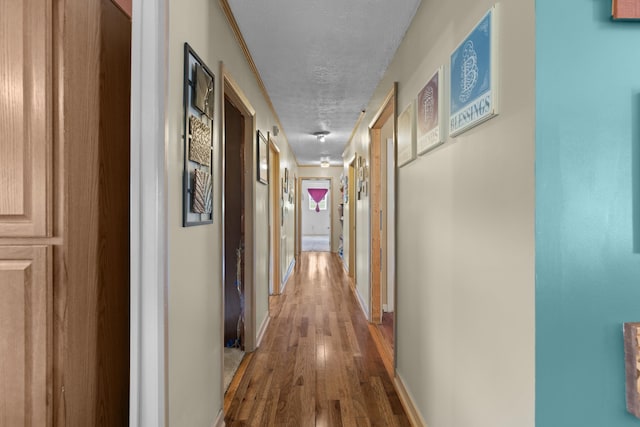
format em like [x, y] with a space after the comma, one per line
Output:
[232, 91]
[408, 403]
[384, 348]
[386, 109]
[224, 4]
[385, 113]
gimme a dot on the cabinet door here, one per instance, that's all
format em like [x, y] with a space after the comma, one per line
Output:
[24, 310]
[25, 116]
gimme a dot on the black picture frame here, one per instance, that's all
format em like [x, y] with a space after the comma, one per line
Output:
[197, 178]
[262, 159]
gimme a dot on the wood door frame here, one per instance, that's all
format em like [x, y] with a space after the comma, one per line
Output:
[352, 218]
[232, 91]
[329, 206]
[274, 217]
[386, 112]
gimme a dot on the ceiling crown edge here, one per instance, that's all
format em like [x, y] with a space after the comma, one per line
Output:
[228, 13]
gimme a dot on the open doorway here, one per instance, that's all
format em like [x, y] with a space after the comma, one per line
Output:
[275, 229]
[382, 157]
[238, 203]
[234, 247]
[351, 203]
[315, 215]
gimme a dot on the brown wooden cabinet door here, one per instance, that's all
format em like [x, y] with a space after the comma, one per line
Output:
[25, 117]
[24, 310]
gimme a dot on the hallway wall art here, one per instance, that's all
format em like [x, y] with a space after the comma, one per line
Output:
[625, 10]
[263, 157]
[632, 366]
[202, 192]
[429, 114]
[406, 136]
[199, 100]
[473, 74]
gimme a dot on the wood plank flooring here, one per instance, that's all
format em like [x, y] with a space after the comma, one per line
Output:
[318, 364]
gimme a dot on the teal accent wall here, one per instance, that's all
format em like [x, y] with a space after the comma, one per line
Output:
[587, 210]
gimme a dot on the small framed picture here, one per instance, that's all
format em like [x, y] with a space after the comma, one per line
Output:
[429, 114]
[263, 158]
[406, 136]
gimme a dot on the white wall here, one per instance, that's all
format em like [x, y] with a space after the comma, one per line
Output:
[194, 299]
[465, 242]
[333, 173]
[315, 223]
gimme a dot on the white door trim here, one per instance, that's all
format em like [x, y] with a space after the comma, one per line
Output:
[149, 275]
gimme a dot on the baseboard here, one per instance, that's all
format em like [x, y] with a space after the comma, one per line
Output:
[263, 329]
[384, 348]
[363, 305]
[219, 421]
[408, 403]
[287, 275]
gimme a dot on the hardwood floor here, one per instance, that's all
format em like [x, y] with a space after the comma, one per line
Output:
[318, 364]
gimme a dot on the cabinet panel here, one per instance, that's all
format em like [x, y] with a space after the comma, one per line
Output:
[24, 286]
[25, 116]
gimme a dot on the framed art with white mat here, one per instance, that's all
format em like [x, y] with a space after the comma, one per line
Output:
[473, 76]
[430, 113]
[406, 136]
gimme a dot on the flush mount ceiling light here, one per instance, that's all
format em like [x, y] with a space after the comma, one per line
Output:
[324, 162]
[321, 136]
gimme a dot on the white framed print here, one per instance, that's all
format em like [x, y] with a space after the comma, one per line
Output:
[473, 76]
[406, 136]
[429, 114]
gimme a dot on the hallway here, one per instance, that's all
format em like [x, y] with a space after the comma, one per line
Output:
[317, 364]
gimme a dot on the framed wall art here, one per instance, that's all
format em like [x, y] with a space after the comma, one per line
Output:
[429, 114]
[286, 180]
[631, 333]
[293, 185]
[625, 10]
[199, 101]
[406, 136]
[262, 159]
[473, 76]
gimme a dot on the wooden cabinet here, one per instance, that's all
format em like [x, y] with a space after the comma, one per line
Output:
[25, 301]
[64, 213]
[25, 117]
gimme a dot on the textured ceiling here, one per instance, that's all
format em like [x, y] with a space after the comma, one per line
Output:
[320, 61]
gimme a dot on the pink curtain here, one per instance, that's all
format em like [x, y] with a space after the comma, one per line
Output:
[317, 195]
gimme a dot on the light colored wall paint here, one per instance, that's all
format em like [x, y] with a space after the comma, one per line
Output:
[194, 300]
[334, 173]
[315, 223]
[587, 211]
[465, 241]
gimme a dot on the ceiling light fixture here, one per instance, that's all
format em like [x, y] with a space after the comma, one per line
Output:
[321, 136]
[324, 162]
